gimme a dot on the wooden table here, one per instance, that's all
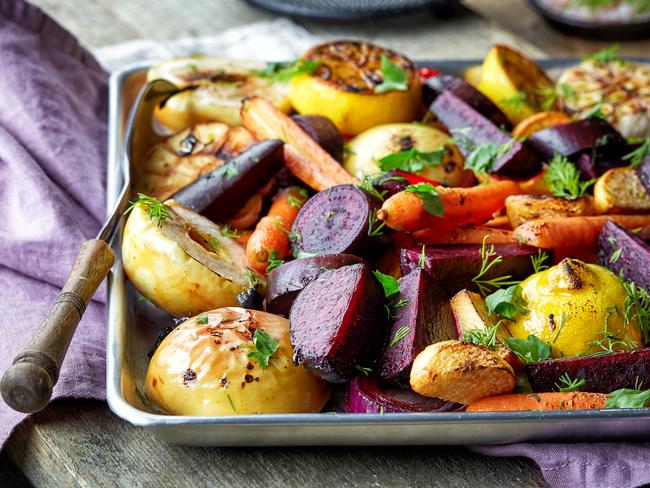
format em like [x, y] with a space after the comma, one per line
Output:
[80, 443]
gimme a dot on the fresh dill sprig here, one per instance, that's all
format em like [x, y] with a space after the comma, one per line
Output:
[486, 338]
[538, 261]
[566, 384]
[489, 260]
[157, 210]
[400, 334]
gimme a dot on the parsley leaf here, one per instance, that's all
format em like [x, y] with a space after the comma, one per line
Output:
[394, 77]
[628, 398]
[605, 56]
[274, 261]
[637, 156]
[412, 160]
[390, 284]
[484, 156]
[563, 179]
[507, 302]
[263, 347]
[530, 350]
[202, 319]
[429, 196]
[286, 71]
[157, 210]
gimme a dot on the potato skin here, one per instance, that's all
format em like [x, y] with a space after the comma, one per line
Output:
[460, 372]
[619, 190]
[204, 369]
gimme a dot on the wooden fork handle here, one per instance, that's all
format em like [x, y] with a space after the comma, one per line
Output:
[27, 384]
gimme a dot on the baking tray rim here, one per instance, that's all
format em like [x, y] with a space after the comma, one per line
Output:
[122, 408]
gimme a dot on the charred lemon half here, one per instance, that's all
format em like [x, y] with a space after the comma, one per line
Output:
[344, 86]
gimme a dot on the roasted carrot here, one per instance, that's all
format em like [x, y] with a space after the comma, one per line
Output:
[501, 222]
[248, 214]
[405, 211]
[270, 240]
[572, 231]
[576, 400]
[539, 121]
[302, 154]
[464, 234]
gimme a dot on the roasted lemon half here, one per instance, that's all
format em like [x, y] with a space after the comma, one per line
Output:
[345, 87]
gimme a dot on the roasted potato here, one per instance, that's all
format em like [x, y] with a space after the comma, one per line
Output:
[460, 372]
[522, 208]
[619, 190]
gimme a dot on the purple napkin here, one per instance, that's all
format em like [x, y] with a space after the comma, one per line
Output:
[53, 101]
[53, 110]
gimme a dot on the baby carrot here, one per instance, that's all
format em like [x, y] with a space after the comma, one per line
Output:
[575, 400]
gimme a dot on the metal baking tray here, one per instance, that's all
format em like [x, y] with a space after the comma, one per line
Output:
[132, 330]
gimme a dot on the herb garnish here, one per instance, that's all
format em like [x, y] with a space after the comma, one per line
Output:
[202, 319]
[400, 334]
[517, 102]
[157, 210]
[390, 284]
[628, 398]
[230, 170]
[361, 369]
[412, 160]
[369, 184]
[262, 348]
[609, 342]
[606, 55]
[375, 230]
[636, 157]
[394, 77]
[252, 278]
[616, 255]
[390, 308]
[227, 231]
[286, 71]
[550, 95]
[422, 261]
[480, 337]
[637, 306]
[429, 196]
[596, 112]
[538, 261]
[563, 179]
[295, 235]
[297, 202]
[488, 263]
[232, 405]
[507, 302]
[484, 156]
[529, 350]
[569, 384]
[274, 261]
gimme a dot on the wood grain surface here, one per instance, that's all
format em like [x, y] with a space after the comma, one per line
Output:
[80, 443]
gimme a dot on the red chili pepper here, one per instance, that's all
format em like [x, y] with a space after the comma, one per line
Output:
[414, 179]
[426, 73]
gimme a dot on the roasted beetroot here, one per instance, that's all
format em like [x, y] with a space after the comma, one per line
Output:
[516, 162]
[622, 251]
[574, 137]
[323, 131]
[455, 266]
[435, 85]
[602, 374]
[285, 282]
[644, 172]
[341, 219]
[338, 323]
[423, 317]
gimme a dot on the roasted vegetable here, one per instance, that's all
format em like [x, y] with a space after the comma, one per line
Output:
[338, 323]
[323, 131]
[213, 89]
[357, 85]
[575, 400]
[522, 208]
[231, 361]
[539, 121]
[624, 252]
[619, 190]
[339, 220]
[464, 234]
[600, 374]
[286, 281]
[460, 372]
[577, 308]
[181, 261]
[304, 157]
[420, 316]
[220, 193]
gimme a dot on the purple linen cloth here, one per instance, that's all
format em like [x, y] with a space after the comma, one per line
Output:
[53, 110]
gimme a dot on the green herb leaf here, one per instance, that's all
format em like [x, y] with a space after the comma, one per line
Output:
[529, 350]
[637, 156]
[538, 261]
[486, 338]
[369, 183]
[563, 179]
[230, 170]
[422, 261]
[156, 209]
[362, 370]
[285, 71]
[226, 231]
[507, 302]
[489, 259]
[412, 160]
[605, 56]
[560, 92]
[274, 261]
[596, 112]
[569, 384]
[202, 319]
[375, 229]
[263, 347]
[390, 284]
[628, 398]
[636, 306]
[484, 156]
[429, 196]
[394, 77]
[400, 334]
[517, 103]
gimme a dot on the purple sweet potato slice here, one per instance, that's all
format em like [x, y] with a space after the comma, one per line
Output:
[517, 162]
[337, 221]
[574, 137]
[338, 323]
[602, 374]
[622, 251]
[285, 282]
[455, 266]
[644, 172]
[435, 85]
[427, 316]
